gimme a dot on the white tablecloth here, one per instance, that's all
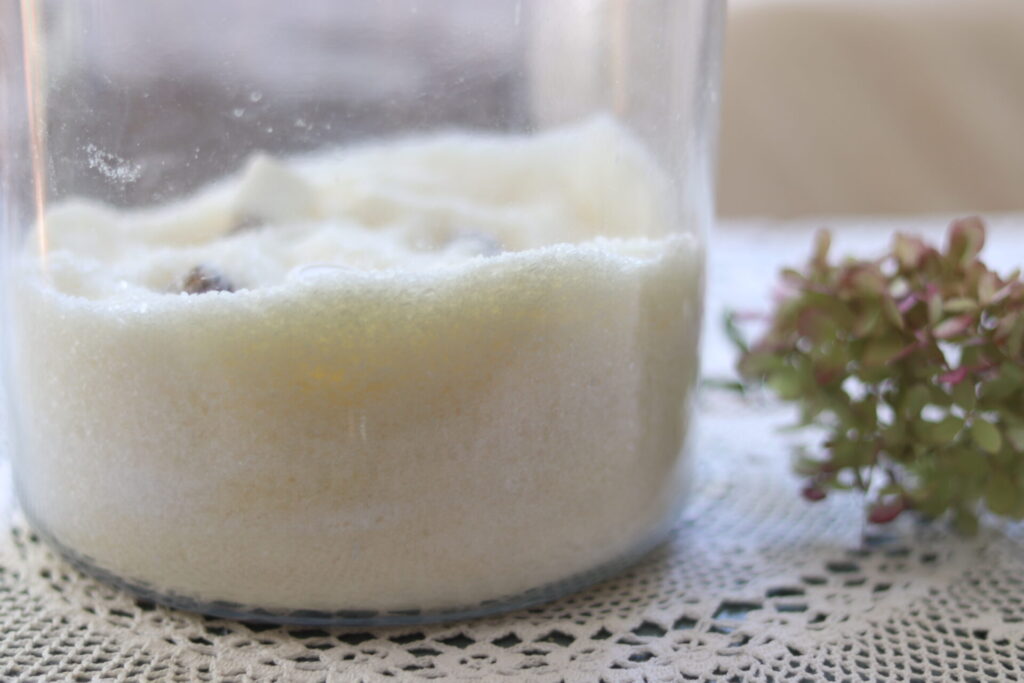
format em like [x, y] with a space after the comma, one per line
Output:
[755, 584]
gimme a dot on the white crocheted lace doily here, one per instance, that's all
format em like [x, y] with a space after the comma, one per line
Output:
[754, 585]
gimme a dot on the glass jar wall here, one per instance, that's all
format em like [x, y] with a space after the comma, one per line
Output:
[354, 312]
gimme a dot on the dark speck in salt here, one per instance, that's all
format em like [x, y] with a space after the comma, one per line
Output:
[203, 279]
[245, 222]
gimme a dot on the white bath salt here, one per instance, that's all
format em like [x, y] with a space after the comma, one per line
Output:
[451, 369]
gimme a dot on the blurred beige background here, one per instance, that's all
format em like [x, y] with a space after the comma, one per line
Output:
[872, 107]
[829, 107]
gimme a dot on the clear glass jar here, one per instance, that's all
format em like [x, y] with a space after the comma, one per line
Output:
[368, 312]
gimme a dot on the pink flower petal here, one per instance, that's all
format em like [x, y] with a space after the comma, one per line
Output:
[955, 376]
[883, 513]
[952, 327]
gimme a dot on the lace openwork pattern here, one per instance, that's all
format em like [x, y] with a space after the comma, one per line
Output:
[754, 585]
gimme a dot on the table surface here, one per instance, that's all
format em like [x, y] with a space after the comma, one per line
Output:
[755, 584]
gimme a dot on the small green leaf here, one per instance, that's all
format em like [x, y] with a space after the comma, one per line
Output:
[966, 238]
[786, 382]
[894, 438]
[935, 311]
[759, 364]
[816, 325]
[1001, 496]
[973, 356]
[968, 463]
[999, 388]
[822, 242]
[878, 352]
[793, 277]
[986, 288]
[868, 320]
[724, 384]
[986, 435]
[829, 304]
[806, 466]
[966, 522]
[941, 432]
[868, 279]
[960, 305]
[892, 313]
[891, 489]
[732, 331]
[809, 412]
[1015, 341]
[1012, 372]
[965, 395]
[1018, 509]
[939, 397]
[1015, 436]
[915, 399]
[908, 250]
[931, 506]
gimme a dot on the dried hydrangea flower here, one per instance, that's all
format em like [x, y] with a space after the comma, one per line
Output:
[913, 365]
